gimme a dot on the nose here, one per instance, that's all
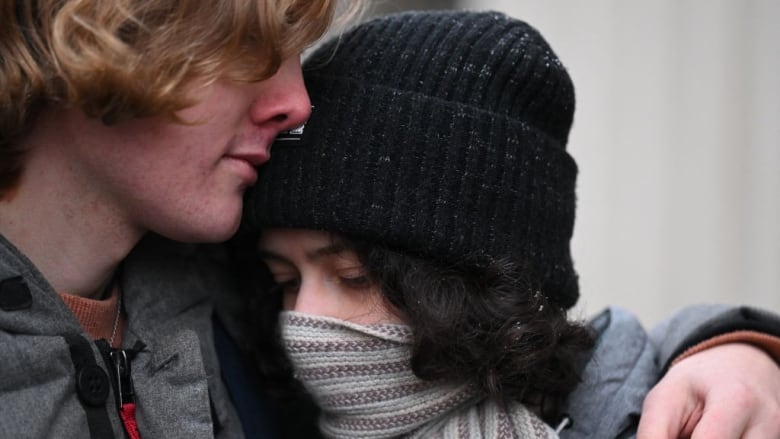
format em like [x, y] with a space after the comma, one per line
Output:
[282, 102]
[313, 298]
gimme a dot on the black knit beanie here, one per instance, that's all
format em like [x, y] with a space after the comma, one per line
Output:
[442, 134]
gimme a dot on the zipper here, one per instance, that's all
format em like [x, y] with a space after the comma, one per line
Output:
[118, 362]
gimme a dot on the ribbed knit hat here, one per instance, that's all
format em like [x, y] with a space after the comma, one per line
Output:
[441, 134]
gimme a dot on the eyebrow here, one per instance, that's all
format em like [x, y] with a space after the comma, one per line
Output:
[331, 249]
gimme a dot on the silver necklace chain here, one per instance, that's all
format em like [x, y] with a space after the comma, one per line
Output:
[116, 318]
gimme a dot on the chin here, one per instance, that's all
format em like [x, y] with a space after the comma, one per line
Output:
[207, 232]
[221, 234]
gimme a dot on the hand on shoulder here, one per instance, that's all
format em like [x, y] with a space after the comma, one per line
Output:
[731, 391]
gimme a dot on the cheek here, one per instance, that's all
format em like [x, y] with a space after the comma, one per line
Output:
[382, 311]
[163, 156]
[222, 103]
[186, 165]
[288, 301]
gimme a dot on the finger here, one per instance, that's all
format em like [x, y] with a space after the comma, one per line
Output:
[668, 413]
[721, 422]
[760, 421]
[763, 432]
[767, 427]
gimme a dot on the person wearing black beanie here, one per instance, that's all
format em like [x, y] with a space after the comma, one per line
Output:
[416, 230]
[437, 147]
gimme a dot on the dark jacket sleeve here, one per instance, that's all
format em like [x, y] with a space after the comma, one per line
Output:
[697, 323]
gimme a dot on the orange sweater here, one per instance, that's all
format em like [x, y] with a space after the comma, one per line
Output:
[97, 316]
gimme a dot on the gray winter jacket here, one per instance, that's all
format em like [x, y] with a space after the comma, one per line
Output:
[620, 372]
[54, 381]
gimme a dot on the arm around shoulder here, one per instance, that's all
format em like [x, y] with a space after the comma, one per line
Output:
[698, 327]
[721, 376]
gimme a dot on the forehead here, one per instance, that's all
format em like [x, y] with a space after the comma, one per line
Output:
[302, 244]
[281, 237]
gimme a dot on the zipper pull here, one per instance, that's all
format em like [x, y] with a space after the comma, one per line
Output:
[126, 393]
[122, 374]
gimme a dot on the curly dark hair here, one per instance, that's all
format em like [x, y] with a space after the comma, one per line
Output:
[480, 321]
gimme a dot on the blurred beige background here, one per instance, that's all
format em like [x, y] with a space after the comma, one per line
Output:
[677, 136]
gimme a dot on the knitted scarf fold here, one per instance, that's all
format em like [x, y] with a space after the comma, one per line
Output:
[361, 378]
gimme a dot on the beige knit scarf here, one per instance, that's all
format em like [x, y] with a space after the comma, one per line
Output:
[360, 377]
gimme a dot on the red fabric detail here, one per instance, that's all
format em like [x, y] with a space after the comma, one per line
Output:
[127, 413]
[769, 343]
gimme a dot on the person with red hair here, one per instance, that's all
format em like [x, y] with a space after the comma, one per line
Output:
[120, 122]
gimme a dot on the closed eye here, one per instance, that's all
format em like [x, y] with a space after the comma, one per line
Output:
[286, 287]
[356, 282]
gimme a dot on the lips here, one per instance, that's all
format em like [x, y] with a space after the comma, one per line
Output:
[245, 153]
[245, 163]
[253, 158]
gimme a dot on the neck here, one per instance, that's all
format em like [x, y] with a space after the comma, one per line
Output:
[64, 225]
